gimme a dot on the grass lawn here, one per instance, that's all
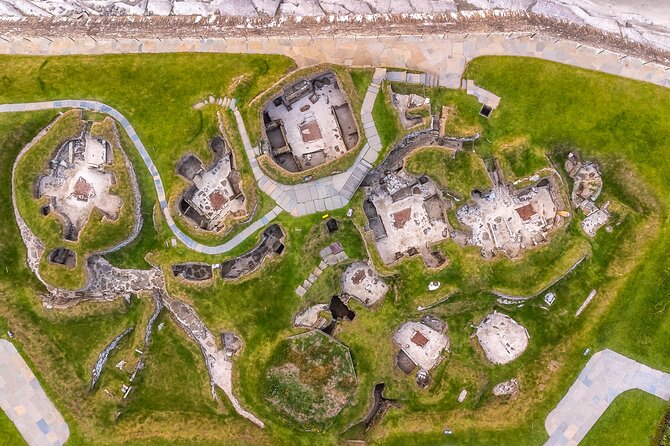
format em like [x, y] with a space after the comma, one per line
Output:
[386, 120]
[632, 418]
[458, 173]
[546, 110]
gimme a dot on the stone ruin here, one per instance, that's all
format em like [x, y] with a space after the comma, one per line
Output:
[77, 183]
[410, 108]
[192, 271]
[502, 338]
[271, 243]
[361, 281]
[509, 220]
[421, 345]
[215, 196]
[63, 256]
[310, 123]
[506, 388]
[406, 215]
[588, 184]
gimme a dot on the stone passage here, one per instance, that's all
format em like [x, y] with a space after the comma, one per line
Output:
[605, 376]
[330, 255]
[271, 244]
[26, 404]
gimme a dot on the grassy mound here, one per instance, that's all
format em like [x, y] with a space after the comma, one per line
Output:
[310, 378]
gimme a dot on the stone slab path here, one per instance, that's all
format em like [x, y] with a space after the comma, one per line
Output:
[324, 194]
[605, 376]
[442, 55]
[330, 192]
[26, 404]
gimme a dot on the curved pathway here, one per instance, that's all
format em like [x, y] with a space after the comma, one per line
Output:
[323, 194]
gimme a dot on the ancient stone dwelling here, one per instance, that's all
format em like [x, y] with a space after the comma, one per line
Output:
[310, 123]
[509, 220]
[77, 182]
[406, 215]
[215, 196]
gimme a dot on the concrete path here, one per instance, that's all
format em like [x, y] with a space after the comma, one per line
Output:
[26, 404]
[605, 376]
[442, 55]
[320, 195]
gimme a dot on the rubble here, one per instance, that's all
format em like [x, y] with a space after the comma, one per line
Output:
[412, 109]
[588, 185]
[422, 378]
[361, 281]
[510, 387]
[310, 318]
[502, 338]
[104, 356]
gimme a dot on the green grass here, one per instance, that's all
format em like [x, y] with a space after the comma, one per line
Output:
[632, 418]
[309, 378]
[458, 173]
[386, 120]
[546, 105]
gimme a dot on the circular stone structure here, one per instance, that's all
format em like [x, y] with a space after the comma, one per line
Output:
[310, 378]
[502, 338]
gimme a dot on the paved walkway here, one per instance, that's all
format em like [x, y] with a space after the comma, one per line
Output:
[26, 404]
[605, 376]
[444, 56]
[158, 182]
[331, 192]
[320, 195]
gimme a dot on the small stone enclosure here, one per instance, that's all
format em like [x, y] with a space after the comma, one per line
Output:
[310, 123]
[77, 182]
[215, 196]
